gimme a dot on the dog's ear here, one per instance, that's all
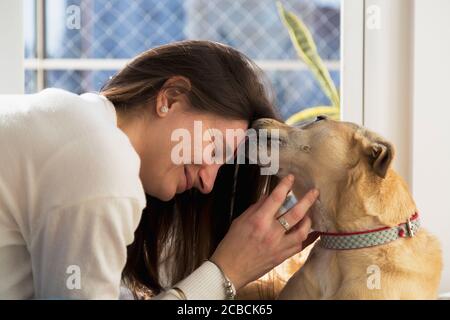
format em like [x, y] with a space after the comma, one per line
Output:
[380, 152]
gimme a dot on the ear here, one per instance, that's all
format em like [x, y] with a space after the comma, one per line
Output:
[382, 154]
[169, 94]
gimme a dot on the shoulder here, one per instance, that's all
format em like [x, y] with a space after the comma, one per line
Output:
[77, 112]
[98, 163]
[72, 146]
[55, 114]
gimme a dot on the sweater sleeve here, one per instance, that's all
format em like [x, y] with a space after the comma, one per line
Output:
[205, 283]
[79, 251]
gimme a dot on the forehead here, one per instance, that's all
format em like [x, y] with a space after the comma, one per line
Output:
[329, 131]
[231, 131]
[347, 127]
[341, 126]
[213, 121]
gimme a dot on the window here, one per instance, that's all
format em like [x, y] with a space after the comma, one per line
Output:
[112, 31]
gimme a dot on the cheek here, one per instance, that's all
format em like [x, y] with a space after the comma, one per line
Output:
[329, 165]
[328, 148]
[172, 175]
[158, 174]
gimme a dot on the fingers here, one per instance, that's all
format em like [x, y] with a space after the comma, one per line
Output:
[297, 212]
[297, 247]
[312, 236]
[299, 234]
[297, 239]
[278, 195]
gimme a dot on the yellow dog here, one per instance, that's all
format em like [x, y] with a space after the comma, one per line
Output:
[372, 245]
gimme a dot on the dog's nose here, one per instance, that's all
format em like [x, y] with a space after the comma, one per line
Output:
[322, 117]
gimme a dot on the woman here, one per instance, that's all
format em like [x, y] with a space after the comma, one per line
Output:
[77, 172]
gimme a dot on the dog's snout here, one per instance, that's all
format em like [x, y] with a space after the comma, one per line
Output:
[262, 123]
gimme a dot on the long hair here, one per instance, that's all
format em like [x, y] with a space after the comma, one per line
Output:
[188, 228]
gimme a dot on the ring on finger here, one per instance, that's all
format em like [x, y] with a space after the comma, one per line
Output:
[284, 223]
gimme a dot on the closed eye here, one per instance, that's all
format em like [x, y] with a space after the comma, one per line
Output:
[277, 139]
[307, 125]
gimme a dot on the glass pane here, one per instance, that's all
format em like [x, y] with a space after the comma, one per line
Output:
[254, 26]
[122, 29]
[29, 27]
[111, 29]
[30, 81]
[77, 81]
[298, 90]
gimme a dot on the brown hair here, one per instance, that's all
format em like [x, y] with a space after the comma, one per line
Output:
[190, 226]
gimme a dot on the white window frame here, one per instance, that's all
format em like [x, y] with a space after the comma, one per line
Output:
[352, 61]
[388, 77]
[376, 73]
[11, 53]
[370, 89]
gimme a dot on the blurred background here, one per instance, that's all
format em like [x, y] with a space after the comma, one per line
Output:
[117, 30]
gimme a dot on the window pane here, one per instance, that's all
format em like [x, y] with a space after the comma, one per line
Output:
[298, 90]
[29, 27]
[113, 29]
[255, 28]
[30, 81]
[122, 28]
[77, 81]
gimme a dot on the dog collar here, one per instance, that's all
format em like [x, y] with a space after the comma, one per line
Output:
[369, 238]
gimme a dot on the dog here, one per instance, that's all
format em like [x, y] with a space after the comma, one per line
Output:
[372, 245]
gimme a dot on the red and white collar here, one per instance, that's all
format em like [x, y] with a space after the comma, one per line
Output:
[369, 238]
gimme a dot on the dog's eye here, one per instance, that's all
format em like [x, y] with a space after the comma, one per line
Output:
[280, 141]
[275, 139]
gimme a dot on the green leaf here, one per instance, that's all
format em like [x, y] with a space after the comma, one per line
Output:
[306, 49]
[311, 113]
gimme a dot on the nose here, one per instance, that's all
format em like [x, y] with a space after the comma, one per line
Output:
[206, 177]
[321, 117]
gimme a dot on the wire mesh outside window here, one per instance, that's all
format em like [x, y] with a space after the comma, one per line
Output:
[117, 30]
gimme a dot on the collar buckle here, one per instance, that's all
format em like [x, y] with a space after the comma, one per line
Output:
[409, 228]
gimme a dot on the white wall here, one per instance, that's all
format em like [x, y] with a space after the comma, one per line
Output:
[404, 96]
[388, 76]
[431, 121]
[11, 47]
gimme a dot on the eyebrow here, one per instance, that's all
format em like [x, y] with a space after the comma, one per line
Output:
[227, 146]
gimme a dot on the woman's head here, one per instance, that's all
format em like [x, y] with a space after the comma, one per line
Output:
[159, 93]
[194, 81]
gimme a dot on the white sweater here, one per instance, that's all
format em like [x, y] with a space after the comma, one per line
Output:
[70, 201]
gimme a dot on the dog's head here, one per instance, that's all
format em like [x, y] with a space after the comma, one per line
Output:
[329, 155]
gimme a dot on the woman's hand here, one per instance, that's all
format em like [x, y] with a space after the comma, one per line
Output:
[257, 242]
